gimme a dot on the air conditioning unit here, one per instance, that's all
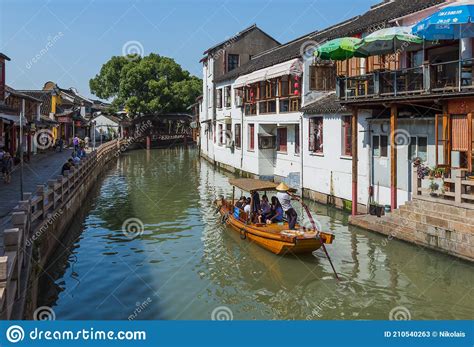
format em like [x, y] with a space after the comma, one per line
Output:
[266, 142]
[239, 101]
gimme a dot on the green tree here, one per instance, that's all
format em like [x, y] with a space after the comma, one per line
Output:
[148, 85]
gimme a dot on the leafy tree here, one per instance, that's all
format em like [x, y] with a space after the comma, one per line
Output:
[148, 85]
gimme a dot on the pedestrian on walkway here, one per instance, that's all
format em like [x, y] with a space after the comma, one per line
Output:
[285, 201]
[7, 167]
[2, 153]
[86, 142]
[75, 142]
[60, 144]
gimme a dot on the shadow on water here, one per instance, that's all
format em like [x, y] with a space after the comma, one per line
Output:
[185, 263]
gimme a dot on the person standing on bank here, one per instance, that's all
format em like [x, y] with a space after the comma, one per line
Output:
[285, 201]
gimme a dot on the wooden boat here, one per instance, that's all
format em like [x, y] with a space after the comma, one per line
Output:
[276, 237]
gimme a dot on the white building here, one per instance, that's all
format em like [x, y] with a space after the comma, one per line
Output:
[278, 117]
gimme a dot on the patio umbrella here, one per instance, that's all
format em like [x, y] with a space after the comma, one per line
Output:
[450, 23]
[389, 40]
[339, 49]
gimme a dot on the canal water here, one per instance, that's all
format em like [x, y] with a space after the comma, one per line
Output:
[187, 265]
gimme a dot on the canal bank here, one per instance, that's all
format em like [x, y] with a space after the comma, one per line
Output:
[38, 223]
[182, 263]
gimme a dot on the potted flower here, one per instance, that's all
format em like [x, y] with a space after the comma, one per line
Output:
[433, 188]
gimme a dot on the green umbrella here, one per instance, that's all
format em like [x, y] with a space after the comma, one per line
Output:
[339, 49]
[389, 40]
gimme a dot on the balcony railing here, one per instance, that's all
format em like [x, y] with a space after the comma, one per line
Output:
[445, 77]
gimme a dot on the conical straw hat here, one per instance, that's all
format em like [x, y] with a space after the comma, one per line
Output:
[282, 187]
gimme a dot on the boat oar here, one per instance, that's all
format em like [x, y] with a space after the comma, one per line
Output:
[317, 230]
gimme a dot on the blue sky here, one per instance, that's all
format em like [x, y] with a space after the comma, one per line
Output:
[67, 41]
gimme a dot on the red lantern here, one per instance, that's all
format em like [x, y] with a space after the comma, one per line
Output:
[297, 92]
[296, 85]
[297, 78]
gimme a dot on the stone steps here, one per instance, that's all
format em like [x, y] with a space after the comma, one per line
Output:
[435, 225]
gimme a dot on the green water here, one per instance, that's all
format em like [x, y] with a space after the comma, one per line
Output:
[187, 265]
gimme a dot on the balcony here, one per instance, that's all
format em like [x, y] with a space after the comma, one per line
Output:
[436, 78]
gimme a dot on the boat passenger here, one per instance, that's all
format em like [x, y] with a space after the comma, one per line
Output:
[285, 200]
[247, 207]
[276, 213]
[255, 202]
[241, 202]
[265, 210]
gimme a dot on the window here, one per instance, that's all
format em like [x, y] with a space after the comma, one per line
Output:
[297, 138]
[346, 135]
[418, 148]
[232, 62]
[316, 134]
[219, 98]
[221, 135]
[322, 77]
[251, 137]
[384, 146]
[227, 97]
[380, 146]
[284, 84]
[238, 137]
[282, 140]
[228, 135]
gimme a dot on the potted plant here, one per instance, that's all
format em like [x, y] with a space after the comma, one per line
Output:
[433, 188]
[380, 210]
[373, 208]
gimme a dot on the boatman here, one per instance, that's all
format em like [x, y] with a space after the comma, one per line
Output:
[285, 201]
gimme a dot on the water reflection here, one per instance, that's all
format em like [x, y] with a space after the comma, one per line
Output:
[186, 263]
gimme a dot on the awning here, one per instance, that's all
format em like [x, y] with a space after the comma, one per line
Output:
[282, 69]
[13, 118]
[226, 120]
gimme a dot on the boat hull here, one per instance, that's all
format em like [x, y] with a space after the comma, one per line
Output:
[269, 237]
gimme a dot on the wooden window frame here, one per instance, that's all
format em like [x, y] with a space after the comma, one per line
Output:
[238, 135]
[346, 143]
[251, 132]
[282, 148]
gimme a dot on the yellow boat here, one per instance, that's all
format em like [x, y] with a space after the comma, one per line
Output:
[276, 237]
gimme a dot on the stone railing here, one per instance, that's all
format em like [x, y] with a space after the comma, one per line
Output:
[37, 215]
[456, 190]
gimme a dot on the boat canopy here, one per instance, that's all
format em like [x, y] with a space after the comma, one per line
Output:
[252, 185]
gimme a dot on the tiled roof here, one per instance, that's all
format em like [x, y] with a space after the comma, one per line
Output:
[44, 95]
[378, 16]
[4, 56]
[326, 104]
[236, 37]
[20, 94]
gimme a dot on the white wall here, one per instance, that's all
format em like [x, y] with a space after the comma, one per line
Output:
[331, 172]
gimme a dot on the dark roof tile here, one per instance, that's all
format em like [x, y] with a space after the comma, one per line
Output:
[378, 16]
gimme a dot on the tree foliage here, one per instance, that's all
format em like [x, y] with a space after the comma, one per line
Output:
[148, 85]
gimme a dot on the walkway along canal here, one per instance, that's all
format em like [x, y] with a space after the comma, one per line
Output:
[38, 223]
[146, 244]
